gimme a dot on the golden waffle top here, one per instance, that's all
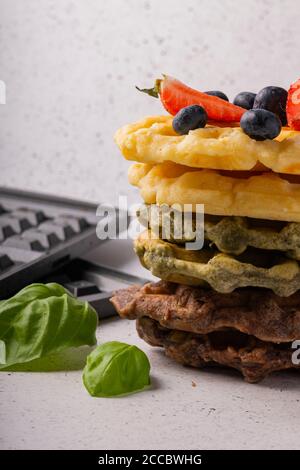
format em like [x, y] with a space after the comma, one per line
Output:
[153, 140]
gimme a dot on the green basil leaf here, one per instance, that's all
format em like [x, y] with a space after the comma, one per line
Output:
[115, 368]
[43, 319]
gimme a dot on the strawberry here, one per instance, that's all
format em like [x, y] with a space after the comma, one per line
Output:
[293, 106]
[175, 95]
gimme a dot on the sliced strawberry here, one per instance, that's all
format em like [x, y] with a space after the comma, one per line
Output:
[293, 106]
[175, 95]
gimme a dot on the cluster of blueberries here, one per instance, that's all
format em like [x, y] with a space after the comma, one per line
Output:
[265, 116]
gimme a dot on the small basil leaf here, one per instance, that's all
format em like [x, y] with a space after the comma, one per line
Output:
[114, 369]
[43, 319]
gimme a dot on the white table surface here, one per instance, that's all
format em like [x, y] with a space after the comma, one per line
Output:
[52, 410]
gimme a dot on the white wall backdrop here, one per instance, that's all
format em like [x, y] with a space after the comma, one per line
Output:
[70, 67]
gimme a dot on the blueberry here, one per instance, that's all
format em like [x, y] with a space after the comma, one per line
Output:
[245, 99]
[189, 118]
[260, 124]
[272, 98]
[217, 93]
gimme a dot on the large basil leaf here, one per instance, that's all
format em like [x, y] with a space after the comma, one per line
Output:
[115, 368]
[43, 319]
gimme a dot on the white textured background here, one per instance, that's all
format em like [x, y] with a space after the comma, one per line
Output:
[71, 65]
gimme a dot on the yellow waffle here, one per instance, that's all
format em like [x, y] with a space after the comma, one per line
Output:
[264, 196]
[153, 140]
